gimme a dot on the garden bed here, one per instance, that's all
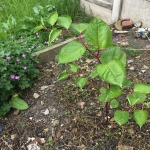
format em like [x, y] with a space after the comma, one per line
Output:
[61, 117]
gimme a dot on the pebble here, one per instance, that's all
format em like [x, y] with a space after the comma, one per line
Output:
[46, 112]
[143, 71]
[129, 61]
[145, 67]
[35, 95]
[124, 43]
[44, 87]
[55, 123]
[131, 68]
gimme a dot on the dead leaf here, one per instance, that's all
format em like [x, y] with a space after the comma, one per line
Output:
[13, 136]
[58, 134]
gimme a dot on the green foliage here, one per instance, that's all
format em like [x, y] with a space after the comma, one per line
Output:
[18, 71]
[140, 116]
[121, 117]
[111, 68]
[18, 103]
[62, 76]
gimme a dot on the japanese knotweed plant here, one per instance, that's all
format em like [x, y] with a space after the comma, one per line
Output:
[110, 67]
[57, 25]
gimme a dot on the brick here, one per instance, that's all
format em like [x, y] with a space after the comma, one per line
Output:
[126, 24]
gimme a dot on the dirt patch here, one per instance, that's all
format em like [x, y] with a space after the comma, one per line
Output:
[65, 118]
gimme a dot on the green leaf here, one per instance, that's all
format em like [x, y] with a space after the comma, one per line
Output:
[121, 117]
[81, 82]
[111, 54]
[4, 109]
[38, 28]
[54, 34]
[114, 103]
[127, 82]
[42, 22]
[3, 34]
[71, 52]
[103, 89]
[18, 103]
[62, 76]
[147, 104]
[73, 67]
[64, 21]
[52, 18]
[113, 72]
[94, 73]
[79, 27]
[140, 117]
[142, 88]
[98, 33]
[113, 92]
[136, 98]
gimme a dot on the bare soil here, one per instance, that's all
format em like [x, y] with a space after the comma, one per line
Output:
[74, 119]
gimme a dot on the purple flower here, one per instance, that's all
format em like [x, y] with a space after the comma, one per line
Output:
[39, 46]
[57, 39]
[25, 42]
[37, 33]
[12, 76]
[23, 55]
[25, 68]
[32, 47]
[17, 60]
[16, 77]
[29, 48]
[21, 37]
[46, 42]
[38, 36]
[8, 57]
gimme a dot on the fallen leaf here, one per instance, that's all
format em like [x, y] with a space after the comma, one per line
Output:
[13, 136]
[58, 134]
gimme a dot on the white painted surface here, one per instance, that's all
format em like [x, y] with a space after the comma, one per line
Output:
[136, 10]
[116, 10]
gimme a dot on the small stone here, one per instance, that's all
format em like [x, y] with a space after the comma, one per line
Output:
[44, 87]
[42, 140]
[124, 43]
[33, 146]
[13, 136]
[143, 71]
[131, 68]
[55, 123]
[35, 95]
[46, 129]
[129, 61]
[42, 103]
[145, 67]
[46, 112]
[16, 112]
[147, 46]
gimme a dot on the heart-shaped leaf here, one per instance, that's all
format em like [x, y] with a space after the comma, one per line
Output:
[114, 103]
[113, 72]
[64, 21]
[79, 27]
[62, 76]
[113, 53]
[121, 117]
[71, 52]
[18, 103]
[73, 67]
[81, 82]
[113, 92]
[98, 33]
[140, 117]
[54, 34]
[52, 18]
[142, 88]
[136, 98]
